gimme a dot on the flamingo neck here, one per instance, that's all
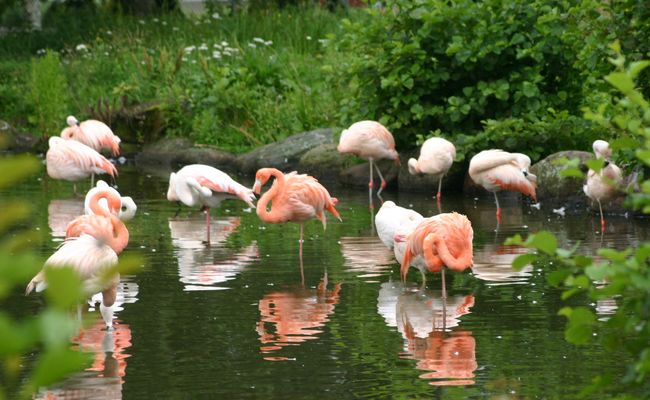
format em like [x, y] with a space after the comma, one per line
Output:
[120, 235]
[94, 203]
[460, 263]
[262, 203]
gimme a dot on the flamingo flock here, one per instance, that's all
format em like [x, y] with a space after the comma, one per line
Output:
[94, 241]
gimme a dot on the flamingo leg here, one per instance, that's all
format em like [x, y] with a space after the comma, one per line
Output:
[439, 195]
[302, 269]
[424, 279]
[602, 218]
[496, 199]
[92, 180]
[444, 289]
[383, 182]
[370, 186]
[207, 223]
[106, 307]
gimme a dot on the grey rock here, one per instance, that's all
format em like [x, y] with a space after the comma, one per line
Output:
[553, 189]
[324, 162]
[358, 175]
[173, 153]
[18, 142]
[284, 155]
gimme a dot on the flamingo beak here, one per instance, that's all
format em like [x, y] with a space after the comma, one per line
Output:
[257, 187]
[397, 161]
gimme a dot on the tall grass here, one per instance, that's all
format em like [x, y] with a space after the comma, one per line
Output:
[233, 81]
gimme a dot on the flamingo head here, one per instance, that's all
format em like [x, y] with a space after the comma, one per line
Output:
[397, 160]
[72, 121]
[261, 177]
[413, 166]
[171, 190]
[602, 149]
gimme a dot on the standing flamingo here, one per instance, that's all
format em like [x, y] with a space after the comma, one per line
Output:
[442, 240]
[436, 157]
[602, 185]
[92, 253]
[295, 198]
[371, 140]
[94, 134]
[71, 161]
[497, 170]
[205, 186]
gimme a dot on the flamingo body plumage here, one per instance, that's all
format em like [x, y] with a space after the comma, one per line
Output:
[94, 134]
[71, 160]
[602, 185]
[436, 157]
[372, 141]
[497, 170]
[441, 240]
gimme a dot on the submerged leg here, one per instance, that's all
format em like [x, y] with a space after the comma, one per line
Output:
[439, 194]
[92, 180]
[302, 269]
[106, 307]
[424, 279]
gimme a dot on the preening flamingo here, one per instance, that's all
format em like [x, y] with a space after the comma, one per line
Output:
[94, 134]
[436, 157]
[603, 185]
[497, 170]
[370, 140]
[294, 198]
[71, 161]
[101, 237]
[202, 185]
[442, 240]
[128, 207]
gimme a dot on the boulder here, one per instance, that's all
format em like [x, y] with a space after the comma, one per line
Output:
[284, 155]
[555, 190]
[324, 162]
[173, 153]
[18, 142]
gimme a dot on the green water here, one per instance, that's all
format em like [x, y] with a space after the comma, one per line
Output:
[234, 321]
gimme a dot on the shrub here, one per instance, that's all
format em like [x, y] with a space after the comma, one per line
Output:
[48, 96]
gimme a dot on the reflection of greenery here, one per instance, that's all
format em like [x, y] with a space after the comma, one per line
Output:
[623, 276]
[49, 331]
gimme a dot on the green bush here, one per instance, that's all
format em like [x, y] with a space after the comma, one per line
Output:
[49, 94]
[623, 276]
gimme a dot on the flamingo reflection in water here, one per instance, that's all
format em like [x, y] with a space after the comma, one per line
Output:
[204, 268]
[293, 317]
[425, 320]
[366, 256]
[493, 263]
[103, 380]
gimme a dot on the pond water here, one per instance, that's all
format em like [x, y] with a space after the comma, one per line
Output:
[234, 321]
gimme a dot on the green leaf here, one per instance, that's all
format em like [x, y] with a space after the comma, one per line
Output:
[580, 326]
[595, 163]
[543, 241]
[636, 67]
[571, 172]
[620, 81]
[64, 287]
[555, 278]
[56, 364]
[523, 260]
[57, 327]
[515, 240]
[20, 166]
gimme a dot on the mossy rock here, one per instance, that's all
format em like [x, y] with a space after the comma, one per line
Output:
[358, 175]
[17, 142]
[554, 189]
[284, 155]
[174, 153]
[324, 162]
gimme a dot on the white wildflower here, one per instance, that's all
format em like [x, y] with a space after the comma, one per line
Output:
[322, 41]
[155, 20]
[217, 46]
[224, 43]
[175, 28]
[141, 22]
[81, 47]
[268, 42]
[227, 53]
[203, 46]
[109, 33]
[216, 16]
[40, 51]
[308, 37]
[164, 22]
[253, 45]
[189, 49]
[216, 55]
[258, 40]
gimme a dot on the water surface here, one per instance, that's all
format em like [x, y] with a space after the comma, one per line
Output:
[234, 320]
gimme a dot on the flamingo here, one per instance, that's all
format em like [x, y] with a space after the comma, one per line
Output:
[295, 198]
[602, 185]
[71, 161]
[370, 140]
[206, 186]
[92, 252]
[128, 207]
[442, 240]
[436, 157]
[94, 134]
[497, 170]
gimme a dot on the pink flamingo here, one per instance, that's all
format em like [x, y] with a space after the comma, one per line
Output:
[497, 170]
[94, 134]
[91, 248]
[370, 140]
[436, 157]
[205, 186]
[71, 161]
[296, 198]
[128, 206]
[442, 240]
[603, 185]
